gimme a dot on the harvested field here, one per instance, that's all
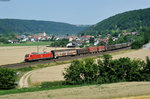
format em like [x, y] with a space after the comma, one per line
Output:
[137, 97]
[48, 74]
[138, 54]
[15, 54]
[105, 91]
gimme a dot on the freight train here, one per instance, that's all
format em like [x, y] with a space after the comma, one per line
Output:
[72, 52]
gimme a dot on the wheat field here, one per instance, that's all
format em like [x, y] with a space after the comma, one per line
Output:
[16, 54]
[105, 91]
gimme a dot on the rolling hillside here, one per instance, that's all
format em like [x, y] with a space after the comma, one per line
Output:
[33, 26]
[124, 22]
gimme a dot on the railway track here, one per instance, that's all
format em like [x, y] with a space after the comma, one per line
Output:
[68, 58]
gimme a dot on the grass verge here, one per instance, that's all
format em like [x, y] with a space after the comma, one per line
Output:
[27, 44]
[122, 52]
[33, 67]
[55, 85]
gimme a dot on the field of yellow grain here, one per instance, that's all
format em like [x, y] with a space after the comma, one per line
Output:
[105, 91]
[15, 54]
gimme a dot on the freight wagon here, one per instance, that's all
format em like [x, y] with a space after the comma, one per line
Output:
[111, 47]
[123, 45]
[101, 48]
[63, 53]
[82, 51]
[92, 49]
[118, 46]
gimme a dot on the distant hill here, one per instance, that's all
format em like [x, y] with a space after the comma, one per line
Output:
[124, 22]
[33, 26]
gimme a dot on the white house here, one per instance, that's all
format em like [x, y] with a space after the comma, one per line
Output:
[25, 39]
[96, 42]
[32, 40]
[44, 34]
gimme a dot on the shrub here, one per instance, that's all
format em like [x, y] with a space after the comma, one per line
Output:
[7, 78]
[143, 39]
[73, 74]
[146, 71]
[90, 71]
[25, 69]
[81, 71]
[137, 44]
[147, 68]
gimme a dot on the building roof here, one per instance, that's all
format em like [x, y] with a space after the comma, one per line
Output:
[86, 36]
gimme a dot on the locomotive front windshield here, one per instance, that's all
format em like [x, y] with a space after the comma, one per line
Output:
[27, 55]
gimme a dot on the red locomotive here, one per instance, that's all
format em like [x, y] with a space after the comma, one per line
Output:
[38, 56]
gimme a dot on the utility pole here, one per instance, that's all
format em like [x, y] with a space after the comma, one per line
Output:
[38, 46]
[106, 45]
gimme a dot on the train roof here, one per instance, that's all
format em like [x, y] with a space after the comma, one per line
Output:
[63, 50]
[39, 53]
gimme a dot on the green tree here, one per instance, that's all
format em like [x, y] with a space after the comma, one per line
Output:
[4, 40]
[107, 70]
[90, 70]
[137, 44]
[106, 59]
[146, 70]
[7, 78]
[85, 71]
[74, 74]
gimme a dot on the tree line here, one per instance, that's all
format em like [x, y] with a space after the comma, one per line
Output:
[60, 43]
[5, 37]
[107, 70]
[32, 26]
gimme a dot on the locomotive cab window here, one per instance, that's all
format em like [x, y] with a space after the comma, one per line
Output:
[27, 55]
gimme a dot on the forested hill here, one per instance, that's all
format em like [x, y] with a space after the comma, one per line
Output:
[124, 22]
[33, 26]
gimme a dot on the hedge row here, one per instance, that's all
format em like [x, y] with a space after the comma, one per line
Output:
[107, 70]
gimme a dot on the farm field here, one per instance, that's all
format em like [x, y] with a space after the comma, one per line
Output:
[137, 97]
[137, 54]
[53, 73]
[15, 54]
[104, 91]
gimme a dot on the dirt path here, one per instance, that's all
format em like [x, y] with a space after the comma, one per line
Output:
[42, 75]
[146, 46]
[24, 80]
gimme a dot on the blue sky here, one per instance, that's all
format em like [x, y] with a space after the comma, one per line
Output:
[68, 11]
